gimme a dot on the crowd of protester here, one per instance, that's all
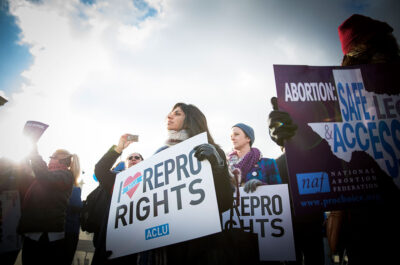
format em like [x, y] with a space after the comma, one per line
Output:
[51, 199]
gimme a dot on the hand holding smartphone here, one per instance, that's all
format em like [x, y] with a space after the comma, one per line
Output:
[133, 138]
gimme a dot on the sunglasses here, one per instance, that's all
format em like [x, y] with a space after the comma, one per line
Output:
[58, 158]
[136, 157]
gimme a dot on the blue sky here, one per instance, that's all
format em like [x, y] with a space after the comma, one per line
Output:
[94, 70]
[15, 57]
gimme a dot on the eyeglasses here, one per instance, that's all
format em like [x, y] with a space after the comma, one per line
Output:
[136, 157]
[65, 160]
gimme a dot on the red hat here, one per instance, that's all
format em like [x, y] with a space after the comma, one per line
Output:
[359, 25]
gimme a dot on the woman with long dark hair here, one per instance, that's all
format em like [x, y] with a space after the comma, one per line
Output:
[183, 122]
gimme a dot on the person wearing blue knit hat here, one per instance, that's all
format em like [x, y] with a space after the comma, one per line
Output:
[248, 167]
[247, 130]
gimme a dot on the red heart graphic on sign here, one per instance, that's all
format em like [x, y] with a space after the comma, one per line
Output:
[128, 181]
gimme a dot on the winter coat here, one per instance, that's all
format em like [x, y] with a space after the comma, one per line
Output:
[106, 179]
[204, 250]
[44, 205]
[181, 253]
[265, 170]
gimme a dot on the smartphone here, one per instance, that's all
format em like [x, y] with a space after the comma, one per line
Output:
[134, 138]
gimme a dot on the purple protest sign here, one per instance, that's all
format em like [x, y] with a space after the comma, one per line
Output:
[347, 146]
[34, 129]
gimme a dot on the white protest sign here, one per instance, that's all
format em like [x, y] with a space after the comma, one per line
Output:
[267, 213]
[168, 198]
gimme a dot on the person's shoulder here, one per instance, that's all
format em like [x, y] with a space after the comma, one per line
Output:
[267, 161]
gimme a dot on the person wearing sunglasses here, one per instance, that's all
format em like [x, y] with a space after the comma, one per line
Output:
[106, 174]
[44, 205]
[133, 159]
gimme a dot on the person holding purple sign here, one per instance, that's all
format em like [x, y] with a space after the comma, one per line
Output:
[370, 232]
[307, 229]
[44, 206]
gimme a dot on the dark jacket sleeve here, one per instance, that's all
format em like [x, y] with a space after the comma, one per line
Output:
[282, 168]
[223, 186]
[59, 179]
[103, 170]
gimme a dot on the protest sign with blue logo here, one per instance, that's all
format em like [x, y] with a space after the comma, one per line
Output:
[168, 198]
[347, 143]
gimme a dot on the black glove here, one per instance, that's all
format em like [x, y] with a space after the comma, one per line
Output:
[281, 126]
[108, 254]
[251, 185]
[209, 152]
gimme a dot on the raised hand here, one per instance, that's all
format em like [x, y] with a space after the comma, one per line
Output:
[280, 123]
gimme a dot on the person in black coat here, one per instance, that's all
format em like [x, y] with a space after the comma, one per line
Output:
[370, 232]
[106, 174]
[43, 209]
[185, 121]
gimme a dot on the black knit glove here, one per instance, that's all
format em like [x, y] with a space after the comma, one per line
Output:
[251, 185]
[281, 126]
[209, 152]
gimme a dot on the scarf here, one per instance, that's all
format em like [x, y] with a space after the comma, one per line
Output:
[175, 137]
[246, 163]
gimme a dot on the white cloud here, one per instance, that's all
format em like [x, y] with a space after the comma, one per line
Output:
[105, 69]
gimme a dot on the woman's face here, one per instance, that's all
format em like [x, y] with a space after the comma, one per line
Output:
[133, 159]
[175, 119]
[239, 138]
[55, 158]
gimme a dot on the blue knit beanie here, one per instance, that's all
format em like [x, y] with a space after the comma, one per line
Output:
[247, 130]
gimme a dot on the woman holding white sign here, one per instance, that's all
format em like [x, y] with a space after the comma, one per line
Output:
[246, 162]
[183, 122]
